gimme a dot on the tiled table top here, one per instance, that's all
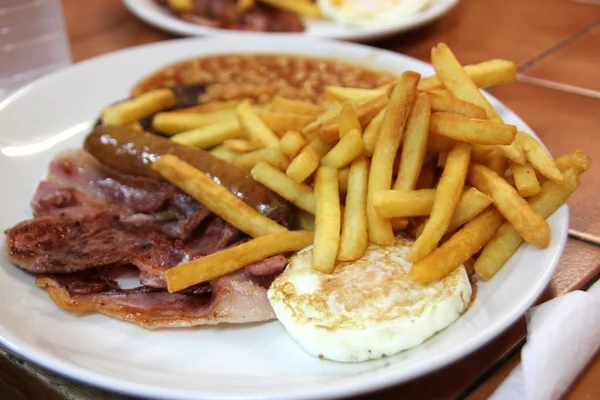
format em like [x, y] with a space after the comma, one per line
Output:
[557, 46]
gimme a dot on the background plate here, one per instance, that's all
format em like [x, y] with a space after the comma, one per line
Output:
[232, 362]
[159, 17]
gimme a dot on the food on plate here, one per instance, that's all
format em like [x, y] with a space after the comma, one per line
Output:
[365, 13]
[211, 183]
[236, 14]
[384, 310]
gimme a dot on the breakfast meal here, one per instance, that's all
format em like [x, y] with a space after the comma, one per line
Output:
[359, 208]
[289, 15]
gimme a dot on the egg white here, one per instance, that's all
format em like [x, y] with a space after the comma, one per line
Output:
[370, 12]
[368, 308]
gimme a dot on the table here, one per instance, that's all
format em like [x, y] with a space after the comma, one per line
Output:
[557, 92]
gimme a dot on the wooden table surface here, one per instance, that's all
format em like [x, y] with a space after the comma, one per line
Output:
[557, 46]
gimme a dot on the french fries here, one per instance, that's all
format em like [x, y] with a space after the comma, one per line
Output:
[139, 107]
[234, 258]
[215, 197]
[446, 199]
[355, 95]
[345, 151]
[172, 122]
[415, 145]
[329, 129]
[343, 176]
[210, 135]
[240, 145]
[354, 238]
[485, 74]
[292, 143]
[210, 107]
[575, 159]
[300, 195]
[525, 179]
[254, 127]
[471, 203]
[311, 130]
[440, 103]
[471, 130]
[458, 248]
[223, 153]
[530, 225]
[271, 156]
[404, 203]
[327, 222]
[181, 5]
[380, 174]
[537, 155]
[280, 122]
[283, 105]
[348, 121]
[372, 133]
[303, 165]
[507, 240]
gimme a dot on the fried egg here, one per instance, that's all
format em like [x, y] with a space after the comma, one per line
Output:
[370, 12]
[365, 309]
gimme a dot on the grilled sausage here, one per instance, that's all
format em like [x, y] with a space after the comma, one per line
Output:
[132, 153]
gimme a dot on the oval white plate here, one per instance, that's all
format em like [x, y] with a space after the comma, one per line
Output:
[232, 362]
[159, 17]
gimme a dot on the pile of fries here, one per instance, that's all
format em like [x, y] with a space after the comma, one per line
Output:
[429, 156]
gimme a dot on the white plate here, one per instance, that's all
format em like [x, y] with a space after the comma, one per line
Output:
[158, 16]
[225, 362]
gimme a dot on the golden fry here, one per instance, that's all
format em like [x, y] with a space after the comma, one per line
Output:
[292, 143]
[312, 129]
[440, 103]
[415, 145]
[254, 127]
[507, 240]
[215, 197]
[300, 195]
[575, 159]
[234, 258]
[496, 162]
[486, 74]
[458, 248]
[181, 5]
[172, 122]
[240, 145]
[382, 164]
[427, 177]
[138, 107]
[345, 151]
[356, 94]
[372, 133]
[303, 165]
[355, 239]
[538, 157]
[525, 179]
[223, 153]
[328, 221]
[281, 104]
[280, 122]
[271, 156]
[471, 130]
[343, 176]
[530, 225]
[447, 196]
[209, 108]
[348, 121]
[404, 203]
[329, 129]
[210, 135]
[471, 203]
[302, 220]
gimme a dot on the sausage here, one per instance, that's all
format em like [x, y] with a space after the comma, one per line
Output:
[132, 152]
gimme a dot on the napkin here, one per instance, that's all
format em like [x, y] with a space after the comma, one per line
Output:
[563, 334]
